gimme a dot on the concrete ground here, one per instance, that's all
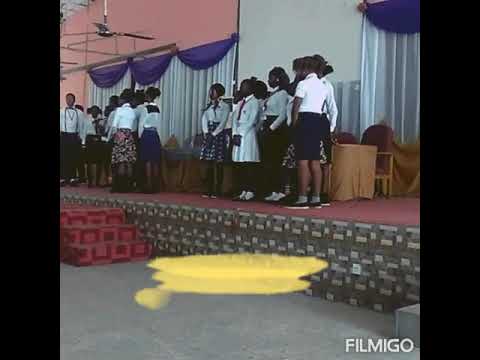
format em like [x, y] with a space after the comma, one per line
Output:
[100, 321]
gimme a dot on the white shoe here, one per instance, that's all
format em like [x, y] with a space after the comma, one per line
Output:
[278, 197]
[271, 197]
[248, 196]
[242, 195]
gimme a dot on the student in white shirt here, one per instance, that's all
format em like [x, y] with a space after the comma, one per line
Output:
[94, 149]
[214, 120]
[245, 153]
[289, 164]
[150, 151]
[124, 152]
[274, 131]
[109, 114]
[138, 105]
[329, 121]
[71, 126]
[308, 106]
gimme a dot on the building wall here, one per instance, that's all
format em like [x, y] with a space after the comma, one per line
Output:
[187, 23]
[274, 32]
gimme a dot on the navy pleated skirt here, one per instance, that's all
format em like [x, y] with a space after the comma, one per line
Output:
[150, 146]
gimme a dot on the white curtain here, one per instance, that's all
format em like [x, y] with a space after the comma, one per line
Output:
[390, 81]
[347, 97]
[185, 94]
[99, 96]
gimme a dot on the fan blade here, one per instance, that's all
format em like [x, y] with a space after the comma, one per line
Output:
[89, 41]
[136, 36]
[78, 34]
[68, 63]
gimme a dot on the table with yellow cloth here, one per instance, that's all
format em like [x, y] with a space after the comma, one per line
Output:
[353, 172]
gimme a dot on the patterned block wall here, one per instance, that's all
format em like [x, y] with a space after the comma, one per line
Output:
[370, 265]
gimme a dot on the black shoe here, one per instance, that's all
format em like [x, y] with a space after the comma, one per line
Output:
[206, 195]
[324, 200]
[288, 200]
[316, 205]
[73, 183]
[63, 183]
[296, 205]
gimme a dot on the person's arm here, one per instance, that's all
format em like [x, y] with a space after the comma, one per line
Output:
[141, 120]
[282, 116]
[205, 123]
[332, 109]
[82, 126]
[299, 96]
[223, 113]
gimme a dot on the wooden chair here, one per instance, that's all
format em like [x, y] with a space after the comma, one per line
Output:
[381, 136]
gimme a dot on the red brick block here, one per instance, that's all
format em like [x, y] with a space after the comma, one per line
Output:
[140, 251]
[121, 253]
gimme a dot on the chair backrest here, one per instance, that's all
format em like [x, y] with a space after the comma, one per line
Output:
[380, 136]
[346, 138]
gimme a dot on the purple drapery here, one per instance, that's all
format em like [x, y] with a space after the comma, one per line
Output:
[150, 70]
[108, 76]
[205, 56]
[398, 16]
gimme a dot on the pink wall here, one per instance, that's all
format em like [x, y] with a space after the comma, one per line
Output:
[185, 22]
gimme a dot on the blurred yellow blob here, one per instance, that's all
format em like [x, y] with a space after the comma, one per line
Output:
[228, 274]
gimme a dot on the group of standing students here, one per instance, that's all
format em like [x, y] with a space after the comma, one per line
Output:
[279, 140]
[123, 141]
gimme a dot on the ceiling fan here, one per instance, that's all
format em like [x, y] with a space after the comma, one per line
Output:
[104, 31]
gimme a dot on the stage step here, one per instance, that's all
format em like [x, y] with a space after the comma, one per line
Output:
[91, 234]
[90, 216]
[106, 253]
[407, 323]
[99, 236]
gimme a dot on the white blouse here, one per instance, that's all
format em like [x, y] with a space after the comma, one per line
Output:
[149, 120]
[125, 118]
[219, 115]
[88, 128]
[313, 92]
[276, 105]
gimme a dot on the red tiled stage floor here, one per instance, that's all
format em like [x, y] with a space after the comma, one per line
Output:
[395, 211]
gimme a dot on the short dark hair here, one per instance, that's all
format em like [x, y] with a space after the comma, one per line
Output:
[260, 90]
[281, 74]
[310, 63]
[219, 89]
[72, 95]
[127, 95]
[152, 92]
[320, 64]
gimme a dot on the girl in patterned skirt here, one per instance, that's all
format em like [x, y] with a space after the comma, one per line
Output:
[214, 119]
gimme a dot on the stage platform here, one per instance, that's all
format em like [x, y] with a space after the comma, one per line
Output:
[372, 246]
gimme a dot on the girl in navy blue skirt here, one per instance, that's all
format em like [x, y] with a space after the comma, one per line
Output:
[308, 105]
[214, 120]
[150, 146]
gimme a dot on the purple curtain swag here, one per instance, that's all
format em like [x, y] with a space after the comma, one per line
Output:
[150, 70]
[398, 16]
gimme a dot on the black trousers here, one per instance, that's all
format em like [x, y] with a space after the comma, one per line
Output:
[273, 147]
[70, 147]
[245, 176]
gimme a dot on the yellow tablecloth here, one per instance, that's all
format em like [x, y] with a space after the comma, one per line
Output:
[353, 172]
